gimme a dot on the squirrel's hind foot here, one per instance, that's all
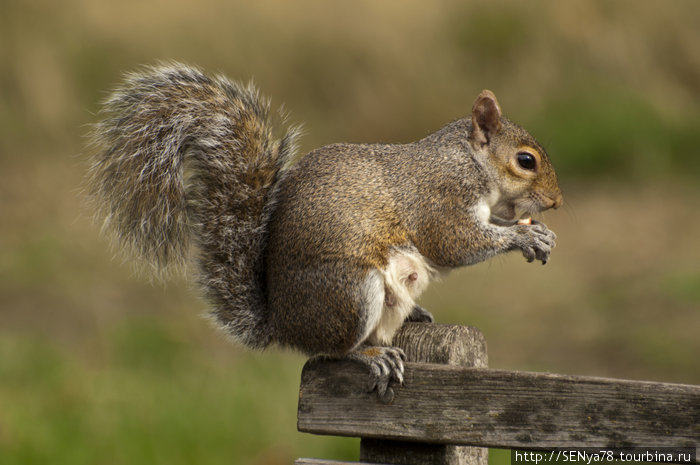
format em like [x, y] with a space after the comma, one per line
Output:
[385, 365]
[420, 315]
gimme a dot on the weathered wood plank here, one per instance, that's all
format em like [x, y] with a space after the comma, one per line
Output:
[420, 453]
[435, 343]
[304, 461]
[497, 408]
[443, 344]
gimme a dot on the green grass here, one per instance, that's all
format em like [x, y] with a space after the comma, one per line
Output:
[149, 399]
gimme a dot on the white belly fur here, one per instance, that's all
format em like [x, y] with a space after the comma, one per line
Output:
[390, 293]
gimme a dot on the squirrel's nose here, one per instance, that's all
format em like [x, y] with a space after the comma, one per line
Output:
[557, 201]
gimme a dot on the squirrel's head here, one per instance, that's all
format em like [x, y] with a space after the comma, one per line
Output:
[524, 175]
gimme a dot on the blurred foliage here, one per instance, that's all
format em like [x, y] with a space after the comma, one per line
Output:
[162, 406]
[99, 366]
[611, 87]
[616, 134]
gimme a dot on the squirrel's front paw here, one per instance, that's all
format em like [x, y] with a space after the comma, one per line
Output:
[535, 240]
[385, 365]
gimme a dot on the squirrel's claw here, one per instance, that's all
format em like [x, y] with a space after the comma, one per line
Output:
[536, 241]
[385, 364]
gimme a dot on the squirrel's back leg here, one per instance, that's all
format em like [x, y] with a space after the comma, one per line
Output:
[349, 311]
[334, 310]
[323, 308]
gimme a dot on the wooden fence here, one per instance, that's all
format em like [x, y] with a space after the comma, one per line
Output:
[451, 408]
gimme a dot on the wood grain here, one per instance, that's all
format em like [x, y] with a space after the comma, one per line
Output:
[432, 343]
[497, 408]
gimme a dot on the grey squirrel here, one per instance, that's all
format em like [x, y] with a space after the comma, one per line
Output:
[324, 254]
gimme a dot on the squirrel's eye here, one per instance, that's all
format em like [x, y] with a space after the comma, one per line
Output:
[526, 161]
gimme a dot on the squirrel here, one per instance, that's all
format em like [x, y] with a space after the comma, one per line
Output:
[324, 253]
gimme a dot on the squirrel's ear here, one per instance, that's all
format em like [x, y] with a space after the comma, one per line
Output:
[486, 118]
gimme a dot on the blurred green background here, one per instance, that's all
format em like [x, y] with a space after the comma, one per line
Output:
[99, 366]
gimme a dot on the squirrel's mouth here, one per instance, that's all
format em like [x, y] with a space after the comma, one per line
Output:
[509, 214]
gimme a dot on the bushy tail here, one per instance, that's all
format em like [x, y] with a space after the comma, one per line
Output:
[181, 158]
